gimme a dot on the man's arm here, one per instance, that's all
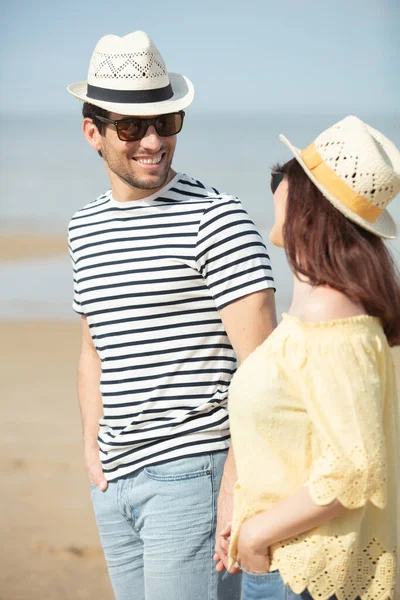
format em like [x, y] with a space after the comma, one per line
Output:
[91, 406]
[248, 322]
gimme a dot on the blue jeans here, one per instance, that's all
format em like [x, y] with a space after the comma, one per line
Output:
[157, 529]
[269, 586]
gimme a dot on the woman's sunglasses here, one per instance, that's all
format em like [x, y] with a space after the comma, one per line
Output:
[133, 129]
[276, 179]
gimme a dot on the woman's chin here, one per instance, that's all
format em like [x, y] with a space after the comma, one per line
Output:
[276, 238]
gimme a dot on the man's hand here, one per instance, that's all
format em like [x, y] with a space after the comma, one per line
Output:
[225, 538]
[224, 515]
[94, 469]
[222, 534]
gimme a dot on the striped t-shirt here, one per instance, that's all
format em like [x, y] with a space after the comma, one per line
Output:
[150, 276]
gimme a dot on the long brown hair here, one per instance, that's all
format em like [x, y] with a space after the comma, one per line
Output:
[328, 249]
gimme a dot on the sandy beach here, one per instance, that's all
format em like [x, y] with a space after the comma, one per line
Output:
[50, 543]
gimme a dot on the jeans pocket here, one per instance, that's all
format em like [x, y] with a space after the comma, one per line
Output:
[271, 575]
[260, 586]
[180, 469]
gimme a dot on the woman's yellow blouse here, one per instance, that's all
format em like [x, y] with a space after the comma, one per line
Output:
[316, 405]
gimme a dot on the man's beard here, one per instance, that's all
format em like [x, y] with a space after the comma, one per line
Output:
[140, 182]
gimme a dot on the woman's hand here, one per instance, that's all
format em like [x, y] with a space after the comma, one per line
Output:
[253, 553]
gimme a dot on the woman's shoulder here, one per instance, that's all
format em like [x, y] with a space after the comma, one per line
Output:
[328, 310]
[328, 304]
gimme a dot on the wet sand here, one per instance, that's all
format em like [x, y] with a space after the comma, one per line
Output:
[23, 246]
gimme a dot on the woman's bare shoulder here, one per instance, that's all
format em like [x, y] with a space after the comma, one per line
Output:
[328, 304]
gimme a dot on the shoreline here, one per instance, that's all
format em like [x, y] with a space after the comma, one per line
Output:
[22, 246]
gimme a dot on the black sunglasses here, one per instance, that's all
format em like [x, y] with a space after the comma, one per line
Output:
[276, 179]
[133, 129]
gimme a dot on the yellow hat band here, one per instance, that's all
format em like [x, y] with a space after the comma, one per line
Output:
[337, 187]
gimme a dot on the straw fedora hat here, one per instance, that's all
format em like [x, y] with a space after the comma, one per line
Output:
[127, 75]
[357, 169]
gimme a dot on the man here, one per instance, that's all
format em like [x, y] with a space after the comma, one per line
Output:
[169, 276]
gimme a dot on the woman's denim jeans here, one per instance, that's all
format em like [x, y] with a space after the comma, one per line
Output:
[157, 528]
[269, 586]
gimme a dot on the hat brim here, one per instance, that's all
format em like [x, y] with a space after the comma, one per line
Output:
[181, 86]
[384, 226]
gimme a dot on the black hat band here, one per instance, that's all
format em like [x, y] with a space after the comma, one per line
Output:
[129, 96]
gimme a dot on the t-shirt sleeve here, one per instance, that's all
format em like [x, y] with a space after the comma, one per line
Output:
[343, 394]
[230, 253]
[76, 303]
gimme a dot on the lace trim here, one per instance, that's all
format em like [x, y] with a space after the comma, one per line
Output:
[353, 480]
[331, 569]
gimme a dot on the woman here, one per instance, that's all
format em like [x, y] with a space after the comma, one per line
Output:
[314, 409]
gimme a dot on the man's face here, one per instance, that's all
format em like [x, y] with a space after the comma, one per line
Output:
[144, 164]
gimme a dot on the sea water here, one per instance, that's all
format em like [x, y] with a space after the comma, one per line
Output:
[48, 171]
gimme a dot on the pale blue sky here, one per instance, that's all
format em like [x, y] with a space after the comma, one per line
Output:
[260, 55]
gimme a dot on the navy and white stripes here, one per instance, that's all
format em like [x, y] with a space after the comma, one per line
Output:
[150, 276]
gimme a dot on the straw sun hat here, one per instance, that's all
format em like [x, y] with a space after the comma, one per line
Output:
[127, 75]
[357, 169]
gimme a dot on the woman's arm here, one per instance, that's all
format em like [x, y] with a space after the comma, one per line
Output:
[289, 518]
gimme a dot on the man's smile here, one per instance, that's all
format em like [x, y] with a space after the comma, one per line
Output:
[149, 161]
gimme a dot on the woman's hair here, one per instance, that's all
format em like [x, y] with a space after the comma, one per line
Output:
[328, 249]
